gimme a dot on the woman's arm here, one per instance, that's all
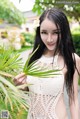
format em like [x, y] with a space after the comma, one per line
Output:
[74, 104]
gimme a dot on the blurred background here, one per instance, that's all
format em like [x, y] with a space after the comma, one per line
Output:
[18, 22]
[19, 19]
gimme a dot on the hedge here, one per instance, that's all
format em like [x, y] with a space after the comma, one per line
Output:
[76, 40]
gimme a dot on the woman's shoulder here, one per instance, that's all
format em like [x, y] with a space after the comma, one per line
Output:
[77, 59]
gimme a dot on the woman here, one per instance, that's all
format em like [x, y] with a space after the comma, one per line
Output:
[55, 50]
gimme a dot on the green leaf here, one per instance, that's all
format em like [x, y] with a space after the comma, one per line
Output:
[26, 64]
[11, 97]
[12, 91]
[38, 71]
[10, 62]
[6, 94]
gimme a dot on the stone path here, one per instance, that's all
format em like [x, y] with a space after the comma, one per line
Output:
[24, 55]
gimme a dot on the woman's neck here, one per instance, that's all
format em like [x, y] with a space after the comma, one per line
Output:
[48, 53]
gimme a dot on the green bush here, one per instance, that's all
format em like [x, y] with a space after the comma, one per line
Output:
[29, 38]
[76, 40]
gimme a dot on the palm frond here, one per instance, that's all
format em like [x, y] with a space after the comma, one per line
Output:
[9, 62]
[11, 97]
[38, 71]
[11, 92]
[10, 65]
[27, 62]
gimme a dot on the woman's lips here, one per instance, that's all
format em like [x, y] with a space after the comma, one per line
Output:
[51, 44]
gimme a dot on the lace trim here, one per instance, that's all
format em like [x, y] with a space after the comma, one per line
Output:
[43, 106]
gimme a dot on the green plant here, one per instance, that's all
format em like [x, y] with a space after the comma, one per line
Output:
[29, 38]
[76, 39]
[23, 48]
[11, 97]
[10, 13]
[38, 71]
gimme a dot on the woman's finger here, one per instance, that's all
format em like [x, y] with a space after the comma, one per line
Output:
[20, 75]
[18, 80]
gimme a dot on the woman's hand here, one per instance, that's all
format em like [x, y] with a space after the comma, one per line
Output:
[20, 79]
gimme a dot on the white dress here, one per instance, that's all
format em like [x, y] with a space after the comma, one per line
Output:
[45, 92]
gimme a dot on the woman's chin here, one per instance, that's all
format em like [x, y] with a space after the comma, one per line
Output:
[51, 48]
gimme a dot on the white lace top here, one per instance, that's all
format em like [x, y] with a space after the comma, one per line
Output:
[45, 92]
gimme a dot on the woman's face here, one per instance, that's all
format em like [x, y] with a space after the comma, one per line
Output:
[49, 34]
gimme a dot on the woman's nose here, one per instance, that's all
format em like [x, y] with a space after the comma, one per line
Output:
[49, 38]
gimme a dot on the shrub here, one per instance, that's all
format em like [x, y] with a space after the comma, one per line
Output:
[29, 38]
[76, 40]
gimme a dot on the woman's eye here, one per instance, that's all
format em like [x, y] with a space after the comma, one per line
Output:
[56, 32]
[43, 32]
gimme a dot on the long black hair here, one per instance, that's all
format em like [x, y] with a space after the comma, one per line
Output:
[64, 44]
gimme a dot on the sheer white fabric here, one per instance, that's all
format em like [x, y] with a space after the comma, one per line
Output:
[45, 92]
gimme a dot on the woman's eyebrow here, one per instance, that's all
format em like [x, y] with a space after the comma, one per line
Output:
[52, 30]
[56, 30]
[43, 30]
